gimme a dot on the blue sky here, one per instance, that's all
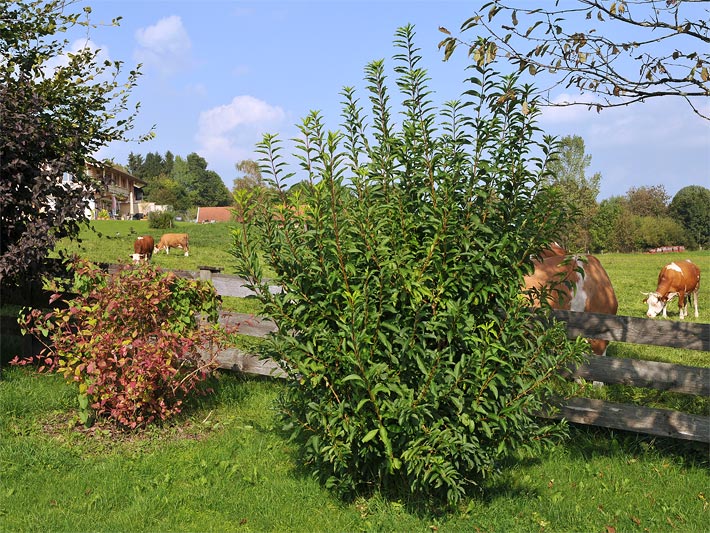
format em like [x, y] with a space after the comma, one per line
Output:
[219, 74]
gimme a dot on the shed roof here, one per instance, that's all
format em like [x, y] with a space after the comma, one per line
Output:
[214, 214]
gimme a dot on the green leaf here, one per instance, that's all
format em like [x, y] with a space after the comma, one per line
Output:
[370, 435]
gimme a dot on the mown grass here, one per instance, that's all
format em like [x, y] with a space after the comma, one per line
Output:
[225, 466]
[634, 274]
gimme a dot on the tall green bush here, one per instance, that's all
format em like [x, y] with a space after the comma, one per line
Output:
[416, 362]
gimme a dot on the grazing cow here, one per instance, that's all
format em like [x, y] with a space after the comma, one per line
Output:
[590, 290]
[173, 240]
[143, 248]
[675, 279]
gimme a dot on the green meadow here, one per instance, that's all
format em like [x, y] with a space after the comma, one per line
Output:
[225, 465]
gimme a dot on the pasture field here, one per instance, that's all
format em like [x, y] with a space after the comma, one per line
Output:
[225, 465]
[112, 242]
[631, 274]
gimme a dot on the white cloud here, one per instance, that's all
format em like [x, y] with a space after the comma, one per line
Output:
[165, 45]
[229, 133]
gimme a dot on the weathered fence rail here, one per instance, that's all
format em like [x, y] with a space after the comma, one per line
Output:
[647, 374]
[609, 370]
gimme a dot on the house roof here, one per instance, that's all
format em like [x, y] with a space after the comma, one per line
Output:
[214, 214]
[108, 167]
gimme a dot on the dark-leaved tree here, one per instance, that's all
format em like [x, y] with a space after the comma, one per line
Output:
[52, 119]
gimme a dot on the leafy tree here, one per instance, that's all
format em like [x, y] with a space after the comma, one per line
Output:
[620, 52]
[153, 166]
[250, 177]
[658, 231]
[627, 232]
[168, 162]
[211, 191]
[651, 201]
[56, 110]
[691, 207]
[419, 362]
[164, 190]
[603, 229]
[249, 189]
[204, 187]
[135, 164]
[578, 191]
[181, 172]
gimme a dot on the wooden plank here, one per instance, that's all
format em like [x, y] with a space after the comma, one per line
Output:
[660, 422]
[254, 326]
[657, 332]
[650, 374]
[236, 360]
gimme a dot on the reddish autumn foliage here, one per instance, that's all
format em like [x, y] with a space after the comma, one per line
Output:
[139, 342]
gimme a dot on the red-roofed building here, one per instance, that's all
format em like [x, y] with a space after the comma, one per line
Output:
[214, 214]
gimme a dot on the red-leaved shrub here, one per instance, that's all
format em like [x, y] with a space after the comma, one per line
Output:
[138, 342]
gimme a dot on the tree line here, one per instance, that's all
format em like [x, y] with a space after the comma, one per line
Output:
[645, 217]
[182, 183]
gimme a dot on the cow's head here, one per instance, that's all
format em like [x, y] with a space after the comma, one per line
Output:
[656, 303]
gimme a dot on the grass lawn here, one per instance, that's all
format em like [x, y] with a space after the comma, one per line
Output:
[225, 466]
[112, 242]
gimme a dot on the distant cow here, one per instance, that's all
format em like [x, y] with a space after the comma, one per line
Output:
[558, 274]
[173, 240]
[143, 248]
[675, 279]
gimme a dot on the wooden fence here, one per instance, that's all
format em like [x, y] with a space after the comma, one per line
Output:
[609, 370]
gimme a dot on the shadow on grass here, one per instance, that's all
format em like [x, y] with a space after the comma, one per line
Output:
[587, 442]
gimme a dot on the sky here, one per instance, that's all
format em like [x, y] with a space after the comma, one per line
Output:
[217, 75]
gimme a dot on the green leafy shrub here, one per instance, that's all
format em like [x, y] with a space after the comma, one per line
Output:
[138, 342]
[161, 219]
[417, 363]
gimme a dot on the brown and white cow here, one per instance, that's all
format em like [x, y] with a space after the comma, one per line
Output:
[558, 275]
[173, 240]
[143, 248]
[675, 279]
